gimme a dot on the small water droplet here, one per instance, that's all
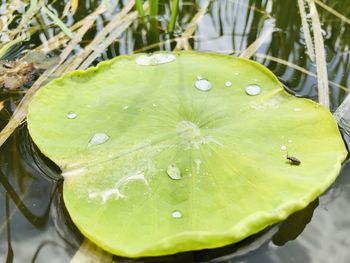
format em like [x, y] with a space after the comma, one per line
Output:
[154, 105]
[174, 172]
[253, 90]
[199, 77]
[71, 115]
[290, 141]
[97, 139]
[203, 85]
[283, 148]
[297, 109]
[228, 84]
[125, 107]
[176, 214]
[154, 59]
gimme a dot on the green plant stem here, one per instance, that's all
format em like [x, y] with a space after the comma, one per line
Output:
[139, 8]
[153, 7]
[174, 11]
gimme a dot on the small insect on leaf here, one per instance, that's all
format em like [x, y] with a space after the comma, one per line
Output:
[293, 160]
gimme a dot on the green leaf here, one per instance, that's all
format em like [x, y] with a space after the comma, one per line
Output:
[153, 165]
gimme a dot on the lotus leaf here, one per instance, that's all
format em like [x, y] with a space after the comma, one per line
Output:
[183, 151]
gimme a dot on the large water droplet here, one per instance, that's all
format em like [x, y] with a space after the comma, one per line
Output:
[203, 84]
[174, 172]
[97, 139]
[253, 90]
[154, 59]
[228, 84]
[176, 214]
[71, 115]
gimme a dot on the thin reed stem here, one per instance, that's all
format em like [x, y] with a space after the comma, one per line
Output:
[174, 11]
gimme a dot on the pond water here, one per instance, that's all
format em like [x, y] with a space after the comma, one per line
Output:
[34, 225]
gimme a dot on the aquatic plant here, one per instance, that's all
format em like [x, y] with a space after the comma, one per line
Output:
[157, 163]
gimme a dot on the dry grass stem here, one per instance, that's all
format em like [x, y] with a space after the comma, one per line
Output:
[342, 109]
[321, 64]
[191, 28]
[125, 24]
[307, 35]
[60, 39]
[296, 67]
[250, 51]
[99, 38]
[332, 11]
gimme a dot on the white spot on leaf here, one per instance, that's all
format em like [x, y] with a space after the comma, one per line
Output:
[155, 59]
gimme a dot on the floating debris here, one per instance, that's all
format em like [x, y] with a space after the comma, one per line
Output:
[293, 160]
[154, 59]
[228, 84]
[97, 139]
[283, 148]
[253, 90]
[203, 85]
[176, 214]
[174, 172]
[71, 115]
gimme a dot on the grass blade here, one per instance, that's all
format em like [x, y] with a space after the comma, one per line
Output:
[139, 8]
[153, 7]
[307, 35]
[332, 11]
[321, 64]
[99, 38]
[73, 6]
[250, 51]
[58, 22]
[182, 42]
[5, 48]
[174, 11]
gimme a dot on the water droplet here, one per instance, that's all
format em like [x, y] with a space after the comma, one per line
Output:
[228, 84]
[126, 107]
[154, 105]
[176, 214]
[290, 141]
[199, 77]
[154, 59]
[71, 115]
[203, 84]
[297, 109]
[174, 172]
[253, 90]
[97, 139]
[283, 148]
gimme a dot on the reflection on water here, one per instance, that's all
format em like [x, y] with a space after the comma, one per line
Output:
[34, 226]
